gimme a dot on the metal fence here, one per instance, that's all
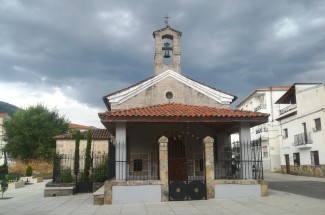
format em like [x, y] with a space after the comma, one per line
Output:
[240, 160]
[138, 163]
[63, 168]
[232, 161]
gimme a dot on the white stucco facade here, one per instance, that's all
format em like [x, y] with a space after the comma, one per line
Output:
[302, 131]
[262, 100]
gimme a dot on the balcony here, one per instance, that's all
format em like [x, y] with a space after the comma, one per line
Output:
[259, 107]
[259, 130]
[303, 140]
[288, 108]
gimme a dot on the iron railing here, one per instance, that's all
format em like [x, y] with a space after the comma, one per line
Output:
[138, 164]
[302, 139]
[239, 161]
[63, 168]
[259, 107]
[288, 108]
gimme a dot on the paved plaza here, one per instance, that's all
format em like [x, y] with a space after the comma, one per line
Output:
[30, 200]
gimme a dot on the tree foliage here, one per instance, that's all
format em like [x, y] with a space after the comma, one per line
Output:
[29, 134]
[29, 171]
[88, 156]
[76, 153]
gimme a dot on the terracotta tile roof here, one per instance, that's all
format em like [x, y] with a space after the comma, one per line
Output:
[172, 111]
[3, 115]
[77, 126]
[98, 134]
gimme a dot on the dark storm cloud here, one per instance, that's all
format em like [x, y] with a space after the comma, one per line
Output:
[91, 48]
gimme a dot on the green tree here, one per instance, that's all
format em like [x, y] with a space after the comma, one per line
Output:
[29, 171]
[76, 154]
[88, 156]
[29, 134]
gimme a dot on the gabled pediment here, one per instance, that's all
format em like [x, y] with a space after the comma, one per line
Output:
[123, 95]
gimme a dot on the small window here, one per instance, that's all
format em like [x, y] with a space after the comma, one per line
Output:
[169, 95]
[285, 133]
[137, 165]
[265, 152]
[314, 158]
[318, 125]
[296, 159]
[265, 155]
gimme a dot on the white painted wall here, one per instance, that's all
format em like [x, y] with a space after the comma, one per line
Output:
[245, 140]
[120, 151]
[228, 191]
[310, 106]
[269, 132]
[136, 194]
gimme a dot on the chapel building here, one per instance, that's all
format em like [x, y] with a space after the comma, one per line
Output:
[172, 137]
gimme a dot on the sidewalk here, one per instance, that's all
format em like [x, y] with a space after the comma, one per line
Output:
[286, 177]
[30, 200]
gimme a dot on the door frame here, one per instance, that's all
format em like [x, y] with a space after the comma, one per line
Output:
[287, 163]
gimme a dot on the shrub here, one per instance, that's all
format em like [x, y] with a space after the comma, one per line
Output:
[4, 187]
[29, 171]
[66, 176]
[100, 173]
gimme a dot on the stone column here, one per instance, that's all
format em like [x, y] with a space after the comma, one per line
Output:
[120, 151]
[246, 171]
[163, 167]
[209, 165]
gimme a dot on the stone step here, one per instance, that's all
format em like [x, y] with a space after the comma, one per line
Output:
[99, 196]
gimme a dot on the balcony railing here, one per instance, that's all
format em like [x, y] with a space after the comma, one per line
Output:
[259, 107]
[288, 108]
[259, 130]
[302, 139]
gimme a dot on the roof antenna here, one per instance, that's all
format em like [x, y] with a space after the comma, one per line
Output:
[166, 20]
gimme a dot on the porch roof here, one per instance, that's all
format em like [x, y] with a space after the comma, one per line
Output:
[174, 112]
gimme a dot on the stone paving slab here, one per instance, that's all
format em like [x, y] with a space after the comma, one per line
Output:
[29, 200]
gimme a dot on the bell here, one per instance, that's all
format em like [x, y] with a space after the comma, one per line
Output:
[166, 55]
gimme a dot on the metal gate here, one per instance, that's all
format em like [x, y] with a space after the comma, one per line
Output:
[186, 172]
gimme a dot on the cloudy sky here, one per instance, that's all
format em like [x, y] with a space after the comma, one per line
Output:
[69, 54]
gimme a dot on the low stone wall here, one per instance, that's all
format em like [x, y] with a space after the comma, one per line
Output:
[31, 179]
[58, 191]
[305, 170]
[15, 185]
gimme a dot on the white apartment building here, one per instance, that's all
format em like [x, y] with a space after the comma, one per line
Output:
[302, 144]
[262, 100]
[3, 117]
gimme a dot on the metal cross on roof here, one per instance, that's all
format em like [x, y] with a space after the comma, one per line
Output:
[166, 20]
